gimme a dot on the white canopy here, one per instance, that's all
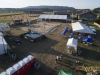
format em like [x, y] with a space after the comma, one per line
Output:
[72, 42]
[82, 28]
[46, 16]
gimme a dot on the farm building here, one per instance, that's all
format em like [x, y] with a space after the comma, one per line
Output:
[45, 17]
[87, 16]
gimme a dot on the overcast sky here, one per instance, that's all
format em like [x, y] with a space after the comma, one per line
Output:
[79, 4]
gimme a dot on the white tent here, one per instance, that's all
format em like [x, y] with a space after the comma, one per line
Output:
[82, 28]
[46, 16]
[4, 28]
[72, 42]
[3, 46]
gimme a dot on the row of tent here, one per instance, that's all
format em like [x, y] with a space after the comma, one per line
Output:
[21, 67]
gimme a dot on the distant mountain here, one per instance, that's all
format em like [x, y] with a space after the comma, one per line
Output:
[51, 7]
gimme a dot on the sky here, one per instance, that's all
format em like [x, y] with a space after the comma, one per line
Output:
[78, 4]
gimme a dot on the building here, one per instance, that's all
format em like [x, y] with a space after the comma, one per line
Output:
[47, 17]
[87, 16]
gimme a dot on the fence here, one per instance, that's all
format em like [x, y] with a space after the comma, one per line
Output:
[96, 24]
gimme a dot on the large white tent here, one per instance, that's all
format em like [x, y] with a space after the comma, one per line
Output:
[3, 46]
[72, 42]
[46, 16]
[4, 28]
[82, 28]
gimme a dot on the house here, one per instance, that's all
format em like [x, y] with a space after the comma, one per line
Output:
[87, 16]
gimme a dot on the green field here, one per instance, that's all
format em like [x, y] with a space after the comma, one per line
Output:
[9, 13]
[4, 21]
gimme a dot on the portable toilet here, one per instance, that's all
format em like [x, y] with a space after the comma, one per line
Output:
[17, 67]
[11, 71]
[32, 60]
[4, 73]
[22, 64]
[26, 60]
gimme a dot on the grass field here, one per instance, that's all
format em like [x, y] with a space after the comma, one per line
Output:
[45, 52]
[13, 13]
[4, 21]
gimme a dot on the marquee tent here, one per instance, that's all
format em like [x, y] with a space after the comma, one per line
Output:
[72, 42]
[3, 46]
[72, 45]
[62, 72]
[56, 17]
[81, 28]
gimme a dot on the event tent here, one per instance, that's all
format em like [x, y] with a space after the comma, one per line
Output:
[56, 17]
[3, 45]
[72, 42]
[4, 28]
[62, 72]
[81, 28]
